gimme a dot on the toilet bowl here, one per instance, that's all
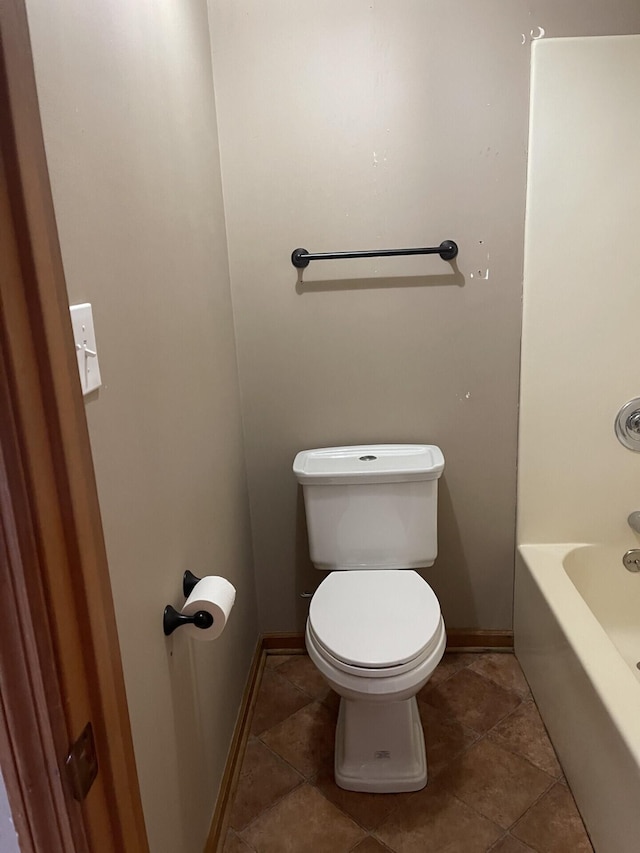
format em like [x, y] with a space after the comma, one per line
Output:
[376, 661]
[375, 630]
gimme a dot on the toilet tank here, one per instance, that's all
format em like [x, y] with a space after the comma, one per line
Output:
[371, 506]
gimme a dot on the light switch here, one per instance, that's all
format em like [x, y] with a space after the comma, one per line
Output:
[86, 351]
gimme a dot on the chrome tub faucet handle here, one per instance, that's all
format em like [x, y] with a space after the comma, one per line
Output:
[634, 521]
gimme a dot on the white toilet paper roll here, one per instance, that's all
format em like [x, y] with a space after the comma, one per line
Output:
[215, 595]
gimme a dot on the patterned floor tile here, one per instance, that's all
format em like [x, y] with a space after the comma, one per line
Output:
[445, 738]
[523, 732]
[554, 824]
[369, 810]
[332, 701]
[264, 779]
[303, 820]
[491, 767]
[277, 700]
[233, 844]
[496, 783]
[304, 674]
[503, 669]
[436, 821]
[451, 663]
[509, 844]
[370, 845]
[472, 700]
[275, 661]
[304, 739]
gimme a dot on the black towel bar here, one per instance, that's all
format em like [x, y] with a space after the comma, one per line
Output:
[447, 250]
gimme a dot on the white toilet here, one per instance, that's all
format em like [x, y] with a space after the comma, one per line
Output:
[374, 630]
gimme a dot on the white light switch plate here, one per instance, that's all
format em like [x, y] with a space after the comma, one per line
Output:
[86, 352]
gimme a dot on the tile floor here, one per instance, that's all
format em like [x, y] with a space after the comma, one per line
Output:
[494, 780]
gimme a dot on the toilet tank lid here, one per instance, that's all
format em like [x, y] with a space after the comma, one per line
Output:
[370, 463]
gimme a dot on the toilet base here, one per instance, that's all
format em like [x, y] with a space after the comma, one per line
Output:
[380, 747]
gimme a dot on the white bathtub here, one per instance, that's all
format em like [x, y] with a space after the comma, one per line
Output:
[577, 636]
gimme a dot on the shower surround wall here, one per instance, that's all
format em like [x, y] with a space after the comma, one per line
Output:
[126, 95]
[577, 610]
[381, 124]
[577, 483]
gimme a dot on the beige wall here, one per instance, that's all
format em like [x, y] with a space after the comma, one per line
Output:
[363, 125]
[581, 296]
[128, 110]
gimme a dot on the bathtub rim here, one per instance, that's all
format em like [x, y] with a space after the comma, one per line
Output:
[610, 676]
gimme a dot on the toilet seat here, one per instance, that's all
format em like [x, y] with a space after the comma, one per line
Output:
[378, 672]
[375, 623]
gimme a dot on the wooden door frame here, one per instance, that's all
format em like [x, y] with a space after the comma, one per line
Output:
[59, 652]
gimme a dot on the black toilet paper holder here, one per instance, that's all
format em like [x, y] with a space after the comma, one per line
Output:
[189, 580]
[171, 619]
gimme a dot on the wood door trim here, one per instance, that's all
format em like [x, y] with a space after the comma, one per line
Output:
[30, 700]
[53, 460]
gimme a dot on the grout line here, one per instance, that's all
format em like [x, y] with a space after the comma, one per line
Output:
[478, 813]
[306, 781]
[467, 726]
[513, 691]
[244, 841]
[497, 841]
[465, 666]
[277, 666]
[283, 653]
[269, 808]
[534, 803]
[371, 834]
[311, 696]
[552, 782]
[502, 719]
[280, 675]
[301, 689]
[303, 693]
[288, 763]
[508, 748]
